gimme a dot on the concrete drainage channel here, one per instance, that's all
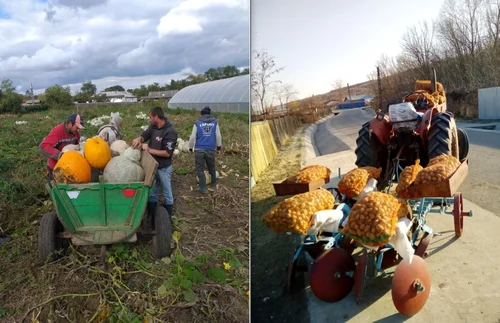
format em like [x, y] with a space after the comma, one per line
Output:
[309, 149]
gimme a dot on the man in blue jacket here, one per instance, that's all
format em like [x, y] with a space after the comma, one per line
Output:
[205, 140]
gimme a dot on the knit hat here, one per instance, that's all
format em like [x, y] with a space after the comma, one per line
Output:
[205, 110]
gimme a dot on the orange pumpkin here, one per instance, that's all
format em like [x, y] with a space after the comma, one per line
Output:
[97, 152]
[72, 168]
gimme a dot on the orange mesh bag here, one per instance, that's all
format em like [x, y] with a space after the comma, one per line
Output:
[444, 159]
[352, 183]
[426, 86]
[439, 169]
[406, 178]
[309, 174]
[372, 220]
[294, 214]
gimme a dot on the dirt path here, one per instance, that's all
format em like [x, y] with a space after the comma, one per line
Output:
[271, 252]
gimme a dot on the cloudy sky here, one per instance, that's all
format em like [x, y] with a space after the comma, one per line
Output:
[320, 41]
[125, 42]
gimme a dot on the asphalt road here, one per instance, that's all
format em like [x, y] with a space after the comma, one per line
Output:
[464, 271]
[482, 186]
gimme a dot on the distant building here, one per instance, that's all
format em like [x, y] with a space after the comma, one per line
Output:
[119, 96]
[159, 95]
[30, 101]
[363, 97]
[226, 95]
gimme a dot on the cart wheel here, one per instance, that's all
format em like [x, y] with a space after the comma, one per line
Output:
[163, 233]
[48, 241]
[422, 246]
[458, 210]
[411, 286]
[360, 276]
[331, 275]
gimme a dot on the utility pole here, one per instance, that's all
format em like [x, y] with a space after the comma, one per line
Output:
[349, 92]
[32, 95]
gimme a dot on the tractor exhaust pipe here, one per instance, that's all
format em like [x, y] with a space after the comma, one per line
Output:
[433, 80]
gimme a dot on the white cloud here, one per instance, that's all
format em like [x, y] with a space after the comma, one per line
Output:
[69, 42]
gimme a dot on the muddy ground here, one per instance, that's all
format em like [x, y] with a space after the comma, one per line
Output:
[205, 280]
[271, 251]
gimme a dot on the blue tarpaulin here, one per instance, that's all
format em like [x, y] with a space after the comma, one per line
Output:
[350, 105]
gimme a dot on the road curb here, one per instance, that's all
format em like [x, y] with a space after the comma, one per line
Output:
[309, 149]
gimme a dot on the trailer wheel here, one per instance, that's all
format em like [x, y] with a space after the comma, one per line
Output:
[463, 144]
[163, 233]
[443, 137]
[48, 241]
[458, 218]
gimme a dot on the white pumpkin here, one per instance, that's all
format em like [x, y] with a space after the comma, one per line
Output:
[70, 147]
[119, 146]
[122, 169]
[133, 154]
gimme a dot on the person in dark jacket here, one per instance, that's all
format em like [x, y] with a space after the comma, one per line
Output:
[205, 140]
[66, 133]
[162, 138]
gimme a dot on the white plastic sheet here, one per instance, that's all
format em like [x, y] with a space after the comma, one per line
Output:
[400, 241]
[371, 186]
[325, 221]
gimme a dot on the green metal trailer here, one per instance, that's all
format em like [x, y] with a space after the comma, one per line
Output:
[100, 213]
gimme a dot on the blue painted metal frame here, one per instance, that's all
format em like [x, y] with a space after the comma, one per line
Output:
[420, 208]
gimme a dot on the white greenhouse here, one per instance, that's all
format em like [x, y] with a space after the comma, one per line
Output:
[226, 95]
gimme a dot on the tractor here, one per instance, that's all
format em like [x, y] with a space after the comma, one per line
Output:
[419, 127]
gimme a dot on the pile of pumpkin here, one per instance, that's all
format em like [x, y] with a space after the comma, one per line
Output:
[119, 162]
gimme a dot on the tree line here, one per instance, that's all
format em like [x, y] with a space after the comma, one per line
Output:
[462, 44]
[269, 93]
[58, 95]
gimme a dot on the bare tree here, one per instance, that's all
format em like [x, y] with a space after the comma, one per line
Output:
[278, 91]
[261, 76]
[289, 93]
[493, 23]
[338, 88]
[460, 27]
[417, 45]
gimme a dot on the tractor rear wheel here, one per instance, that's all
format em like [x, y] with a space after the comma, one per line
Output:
[369, 150]
[443, 137]
[364, 155]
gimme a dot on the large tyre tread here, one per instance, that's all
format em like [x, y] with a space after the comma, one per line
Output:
[163, 233]
[440, 135]
[363, 150]
[48, 242]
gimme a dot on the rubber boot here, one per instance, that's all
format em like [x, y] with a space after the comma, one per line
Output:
[150, 214]
[170, 210]
[213, 181]
[203, 184]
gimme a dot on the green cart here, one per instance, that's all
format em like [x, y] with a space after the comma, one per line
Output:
[100, 213]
